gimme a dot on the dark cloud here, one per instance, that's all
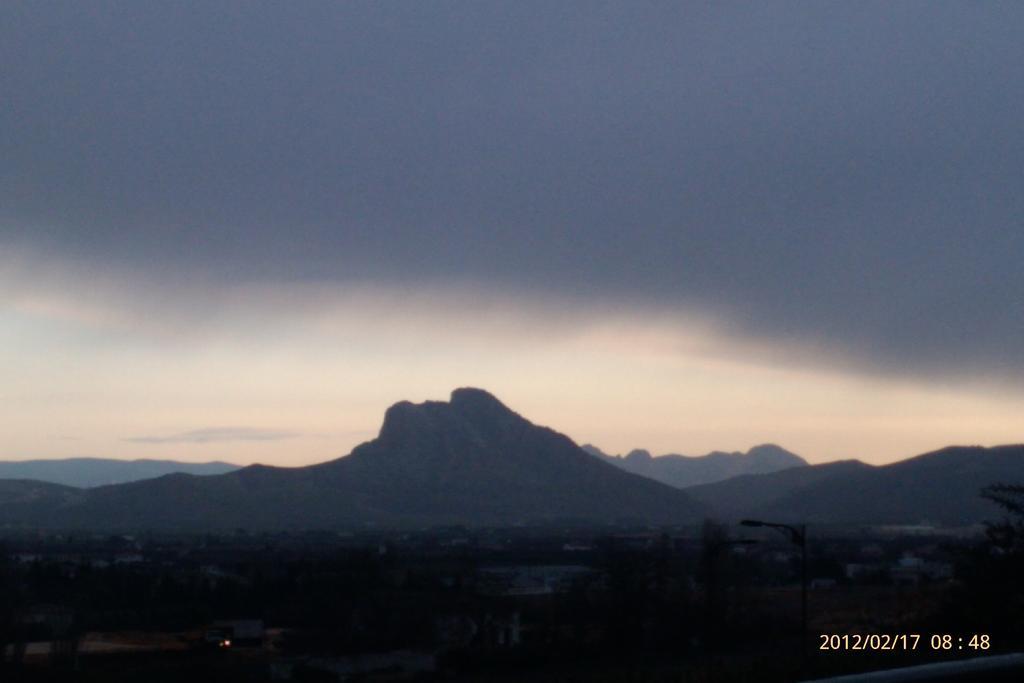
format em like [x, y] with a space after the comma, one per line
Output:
[217, 435]
[848, 173]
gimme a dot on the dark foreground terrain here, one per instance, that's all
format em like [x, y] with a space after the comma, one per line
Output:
[709, 603]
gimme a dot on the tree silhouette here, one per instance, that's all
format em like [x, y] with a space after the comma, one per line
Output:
[990, 596]
[1007, 535]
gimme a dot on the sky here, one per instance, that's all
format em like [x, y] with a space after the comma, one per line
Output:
[240, 231]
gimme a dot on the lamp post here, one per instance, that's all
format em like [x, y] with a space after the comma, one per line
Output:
[798, 536]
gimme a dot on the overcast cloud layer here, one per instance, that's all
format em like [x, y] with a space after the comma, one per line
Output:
[849, 173]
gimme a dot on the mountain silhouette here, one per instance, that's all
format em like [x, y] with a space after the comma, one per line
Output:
[27, 502]
[748, 494]
[468, 461]
[939, 488]
[89, 472]
[682, 471]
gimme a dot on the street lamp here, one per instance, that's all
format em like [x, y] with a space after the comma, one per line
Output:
[798, 536]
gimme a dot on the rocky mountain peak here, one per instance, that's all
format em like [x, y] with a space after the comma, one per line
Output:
[777, 456]
[478, 403]
[639, 455]
[405, 420]
[469, 411]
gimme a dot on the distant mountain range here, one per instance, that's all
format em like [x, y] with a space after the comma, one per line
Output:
[682, 471]
[472, 461]
[939, 488]
[89, 472]
[468, 461]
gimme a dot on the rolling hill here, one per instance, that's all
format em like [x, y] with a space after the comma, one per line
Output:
[89, 472]
[941, 488]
